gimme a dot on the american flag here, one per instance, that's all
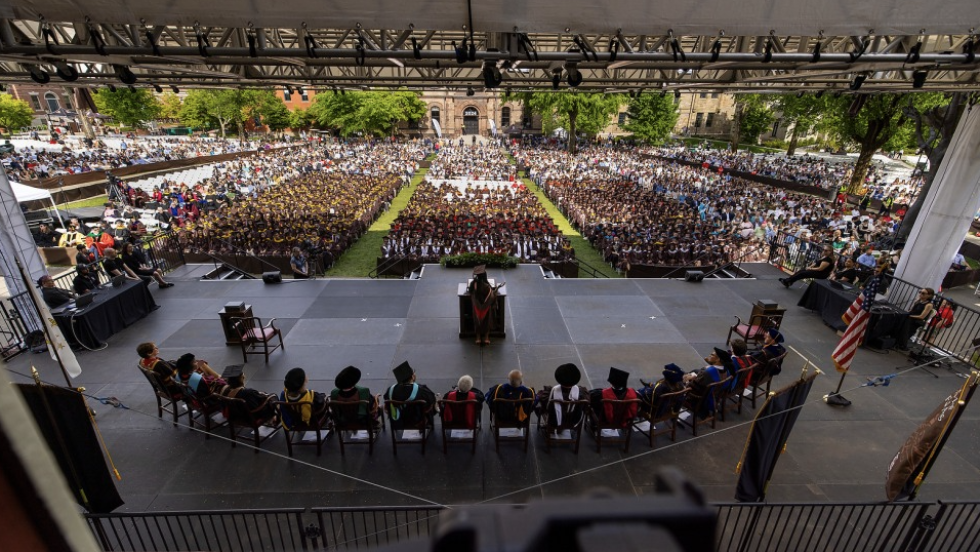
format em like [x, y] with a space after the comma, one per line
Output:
[856, 319]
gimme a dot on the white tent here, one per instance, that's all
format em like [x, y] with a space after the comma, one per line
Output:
[26, 193]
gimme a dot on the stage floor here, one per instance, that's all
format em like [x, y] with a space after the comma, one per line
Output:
[637, 325]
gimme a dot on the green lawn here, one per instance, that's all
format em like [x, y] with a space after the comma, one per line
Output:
[97, 201]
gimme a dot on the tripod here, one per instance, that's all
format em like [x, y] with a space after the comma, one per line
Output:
[925, 353]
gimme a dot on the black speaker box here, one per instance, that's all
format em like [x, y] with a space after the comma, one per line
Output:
[272, 277]
[693, 276]
[883, 343]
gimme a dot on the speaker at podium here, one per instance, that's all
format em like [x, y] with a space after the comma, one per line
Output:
[466, 326]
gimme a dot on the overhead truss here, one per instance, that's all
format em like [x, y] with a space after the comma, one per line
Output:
[96, 54]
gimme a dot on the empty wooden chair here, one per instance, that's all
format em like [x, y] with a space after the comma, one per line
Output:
[257, 339]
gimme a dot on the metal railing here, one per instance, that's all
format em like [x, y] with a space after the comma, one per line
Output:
[871, 527]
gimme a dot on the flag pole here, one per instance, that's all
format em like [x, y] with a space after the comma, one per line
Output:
[835, 398]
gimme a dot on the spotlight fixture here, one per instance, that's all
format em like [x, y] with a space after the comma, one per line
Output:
[39, 75]
[125, 75]
[555, 79]
[111, 88]
[677, 94]
[574, 77]
[470, 91]
[158, 89]
[800, 94]
[819, 93]
[175, 89]
[857, 82]
[66, 72]
[663, 93]
[919, 78]
[491, 75]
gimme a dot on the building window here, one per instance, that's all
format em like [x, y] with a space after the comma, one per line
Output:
[527, 122]
[622, 118]
[303, 95]
[711, 119]
[505, 117]
[287, 94]
[52, 100]
[775, 128]
[714, 95]
[703, 95]
[435, 114]
[36, 102]
[698, 120]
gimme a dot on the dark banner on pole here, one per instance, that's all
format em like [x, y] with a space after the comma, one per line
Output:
[772, 426]
[912, 463]
[62, 417]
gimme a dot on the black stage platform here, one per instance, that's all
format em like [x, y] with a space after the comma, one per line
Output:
[637, 325]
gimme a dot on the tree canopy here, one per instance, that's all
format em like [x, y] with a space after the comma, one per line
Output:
[221, 108]
[651, 117]
[170, 105]
[577, 112]
[132, 108]
[370, 113]
[14, 114]
[800, 111]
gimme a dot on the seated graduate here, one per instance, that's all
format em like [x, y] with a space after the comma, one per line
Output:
[408, 390]
[149, 360]
[53, 296]
[294, 390]
[255, 401]
[514, 389]
[567, 375]
[197, 375]
[617, 391]
[672, 381]
[347, 390]
[464, 391]
[84, 282]
[717, 369]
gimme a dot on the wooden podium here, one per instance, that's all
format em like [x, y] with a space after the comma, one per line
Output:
[227, 324]
[466, 328]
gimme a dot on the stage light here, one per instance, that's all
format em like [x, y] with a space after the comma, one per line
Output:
[125, 75]
[111, 87]
[663, 93]
[677, 94]
[491, 75]
[158, 89]
[857, 82]
[39, 75]
[800, 94]
[919, 78]
[132, 88]
[819, 93]
[470, 91]
[555, 79]
[175, 89]
[66, 72]
[574, 77]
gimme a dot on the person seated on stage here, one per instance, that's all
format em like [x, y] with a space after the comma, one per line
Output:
[298, 265]
[114, 266]
[234, 388]
[347, 390]
[848, 274]
[959, 262]
[295, 390]
[672, 381]
[45, 236]
[408, 390]
[198, 375]
[920, 312]
[464, 391]
[616, 391]
[84, 282]
[133, 258]
[717, 369]
[54, 297]
[149, 360]
[819, 270]
[514, 389]
[567, 375]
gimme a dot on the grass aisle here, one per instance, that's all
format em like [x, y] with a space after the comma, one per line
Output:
[362, 257]
[583, 249]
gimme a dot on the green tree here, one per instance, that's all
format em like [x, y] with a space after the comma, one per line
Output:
[274, 112]
[132, 108]
[14, 114]
[651, 117]
[221, 108]
[802, 112]
[301, 118]
[585, 112]
[170, 105]
[874, 121]
[375, 113]
[752, 117]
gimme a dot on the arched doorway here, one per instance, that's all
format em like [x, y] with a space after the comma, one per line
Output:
[471, 121]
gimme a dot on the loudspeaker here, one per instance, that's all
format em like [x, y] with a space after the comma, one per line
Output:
[883, 343]
[693, 276]
[272, 277]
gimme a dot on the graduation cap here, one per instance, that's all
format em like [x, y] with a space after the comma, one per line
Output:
[618, 378]
[774, 333]
[403, 372]
[567, 375]
[294, 380]
[480, 269]
[234, 374]
[185, 361]
[347, 378]
[673, 373]
[723, 355]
